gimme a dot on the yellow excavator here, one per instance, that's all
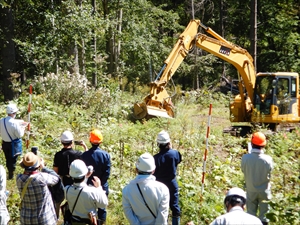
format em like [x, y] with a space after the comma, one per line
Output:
[270, 98]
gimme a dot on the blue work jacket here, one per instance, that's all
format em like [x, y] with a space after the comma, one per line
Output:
[100, 160]
[166, 162]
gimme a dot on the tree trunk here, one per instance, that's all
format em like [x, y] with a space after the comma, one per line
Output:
[118, 50]
[94, 45]
[8, 54]
[82, 59]
[74, 52]
[109, 41]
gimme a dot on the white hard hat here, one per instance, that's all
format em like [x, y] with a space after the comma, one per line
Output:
[66, 137]
[11, 108]
[163, 137]
[236, 191]
[145, 163]
[78, 169]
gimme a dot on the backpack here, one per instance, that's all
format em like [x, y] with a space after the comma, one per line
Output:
[57, 191]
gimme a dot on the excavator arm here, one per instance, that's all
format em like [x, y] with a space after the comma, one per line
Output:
[158, 102]
[240, 58]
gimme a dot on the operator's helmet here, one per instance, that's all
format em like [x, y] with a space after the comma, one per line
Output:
[163, 137]
[259, 139]
[145, 163]
[11, 108]
[236, 194]
[66, 137]
[96, 136]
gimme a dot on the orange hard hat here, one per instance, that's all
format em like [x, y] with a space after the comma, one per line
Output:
[96, 136]
[259, 139]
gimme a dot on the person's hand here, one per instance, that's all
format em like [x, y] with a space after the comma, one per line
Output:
[81, 143]
[42, 163]
[96, 181]
[84, 145]
[90, 171]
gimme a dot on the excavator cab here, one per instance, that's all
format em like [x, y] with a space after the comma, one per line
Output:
[264, 94]
[276, 98]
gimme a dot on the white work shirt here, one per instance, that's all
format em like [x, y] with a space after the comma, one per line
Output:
[236, 216]
[90, 199]
[4, 216]
[13, 128]
[156, 195]
[257, 168]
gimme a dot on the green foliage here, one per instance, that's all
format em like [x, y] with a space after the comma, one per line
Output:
[146, 42]
[74, 91]
[285, 209]
[279, 37]
[55, 36]
[55, 30]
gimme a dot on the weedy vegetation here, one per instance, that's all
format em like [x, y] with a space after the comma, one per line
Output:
[65, 101]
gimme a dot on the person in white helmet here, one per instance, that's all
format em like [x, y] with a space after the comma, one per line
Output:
[10, 129]
[82, 198]
[145, 200]
[64, 157]
[63, 160]
[166, 162]
[234, 203]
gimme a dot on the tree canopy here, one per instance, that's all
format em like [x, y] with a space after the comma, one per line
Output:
[129, 40]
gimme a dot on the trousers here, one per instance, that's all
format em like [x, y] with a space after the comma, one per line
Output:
[10, 161]
[102, 213]
[255, 203]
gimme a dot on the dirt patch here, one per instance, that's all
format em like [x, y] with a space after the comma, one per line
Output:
[219, 152]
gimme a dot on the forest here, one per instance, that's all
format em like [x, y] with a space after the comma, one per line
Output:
[128, 41]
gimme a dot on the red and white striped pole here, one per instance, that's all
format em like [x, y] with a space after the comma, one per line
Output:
[206, 148]
[29, 110]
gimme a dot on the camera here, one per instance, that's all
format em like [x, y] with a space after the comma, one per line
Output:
[34, 149]
[78, 142]
[90, 169]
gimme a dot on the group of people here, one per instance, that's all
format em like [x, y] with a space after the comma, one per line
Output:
[81, 178]
[147, 199]
[95, 158]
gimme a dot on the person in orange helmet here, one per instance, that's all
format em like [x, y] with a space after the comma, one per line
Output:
[257, 168]
[100, 160]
